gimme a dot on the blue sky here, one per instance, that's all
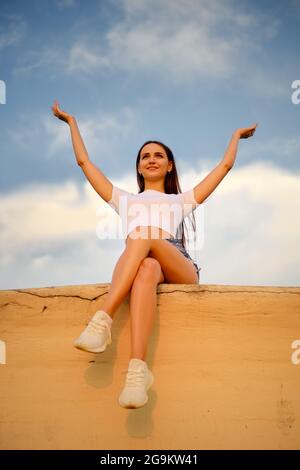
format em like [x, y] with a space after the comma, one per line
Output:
[185, 72]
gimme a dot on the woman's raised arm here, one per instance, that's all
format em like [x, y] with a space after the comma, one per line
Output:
[203, 189]
[98, 180]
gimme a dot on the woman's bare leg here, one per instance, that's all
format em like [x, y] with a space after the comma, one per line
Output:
[143, 305]
[176, 268]
[125, 272]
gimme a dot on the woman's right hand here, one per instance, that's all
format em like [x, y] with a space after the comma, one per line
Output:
[60, 114]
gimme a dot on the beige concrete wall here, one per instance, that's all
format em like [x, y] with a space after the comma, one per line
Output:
[221, 358]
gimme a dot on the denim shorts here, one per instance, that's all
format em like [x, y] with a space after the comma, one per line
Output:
[178, 243]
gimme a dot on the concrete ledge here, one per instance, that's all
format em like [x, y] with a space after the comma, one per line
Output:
[220, 355]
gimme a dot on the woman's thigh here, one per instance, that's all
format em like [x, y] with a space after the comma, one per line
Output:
[176, 268]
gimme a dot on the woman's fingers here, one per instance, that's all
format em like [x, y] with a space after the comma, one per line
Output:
[59, 112]
[246, 132]
[56, 109]
[254, 129]
[55, 104]
[251, 130]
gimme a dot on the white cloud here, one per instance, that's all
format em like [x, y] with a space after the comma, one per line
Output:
[47, 57]
[175, 41]
[183, 42]
[100, 132]
[274, 149]
[43, 213]
[25, 132]
[83, 59]
[250, 226]
[252, 231]
[180, 56]
[13, 30]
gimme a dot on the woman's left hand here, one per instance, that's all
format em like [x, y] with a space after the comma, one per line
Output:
[245, 132]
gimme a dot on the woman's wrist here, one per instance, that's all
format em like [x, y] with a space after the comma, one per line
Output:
[71, 120]
[236, 134]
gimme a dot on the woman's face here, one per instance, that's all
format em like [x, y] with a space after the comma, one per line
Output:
[154, 162]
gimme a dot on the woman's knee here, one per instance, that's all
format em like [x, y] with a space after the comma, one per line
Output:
[149, 270]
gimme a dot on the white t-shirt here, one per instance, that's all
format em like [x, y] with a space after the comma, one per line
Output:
[153, 208]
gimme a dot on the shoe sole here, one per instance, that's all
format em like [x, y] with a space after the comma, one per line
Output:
[95, 350]
[130, 407]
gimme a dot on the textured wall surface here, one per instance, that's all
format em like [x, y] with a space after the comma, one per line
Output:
[220, 355]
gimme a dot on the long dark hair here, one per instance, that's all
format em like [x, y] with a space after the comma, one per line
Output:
[171, 185]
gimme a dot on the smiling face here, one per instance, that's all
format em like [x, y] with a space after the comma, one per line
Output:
[154, 163]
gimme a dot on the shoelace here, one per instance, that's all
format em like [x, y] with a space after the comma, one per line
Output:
[97, 327]
[134, 377]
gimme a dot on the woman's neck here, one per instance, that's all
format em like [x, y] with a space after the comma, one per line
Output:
[154, 188]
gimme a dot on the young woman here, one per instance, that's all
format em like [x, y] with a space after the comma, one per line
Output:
[154, 252]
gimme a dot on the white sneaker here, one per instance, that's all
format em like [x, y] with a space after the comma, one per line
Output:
[138, 380]
[97, 335]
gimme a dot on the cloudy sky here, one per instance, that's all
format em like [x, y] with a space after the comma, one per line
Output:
[186, 72]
